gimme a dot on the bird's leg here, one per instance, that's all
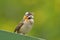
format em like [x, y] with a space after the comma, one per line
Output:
[22, 33]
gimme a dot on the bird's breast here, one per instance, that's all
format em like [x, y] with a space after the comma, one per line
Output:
[26, 27]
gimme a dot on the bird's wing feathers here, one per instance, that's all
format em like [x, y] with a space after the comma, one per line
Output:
[18, 27]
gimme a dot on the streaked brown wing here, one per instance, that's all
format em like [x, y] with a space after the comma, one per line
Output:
[18, 27]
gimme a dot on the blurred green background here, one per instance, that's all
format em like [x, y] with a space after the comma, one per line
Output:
[46, 16]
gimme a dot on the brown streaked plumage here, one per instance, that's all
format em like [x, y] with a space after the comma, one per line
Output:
[18, 27]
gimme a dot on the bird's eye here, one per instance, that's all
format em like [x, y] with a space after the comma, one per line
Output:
[29, 18]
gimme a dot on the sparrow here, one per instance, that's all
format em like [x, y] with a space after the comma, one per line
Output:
[26, 24]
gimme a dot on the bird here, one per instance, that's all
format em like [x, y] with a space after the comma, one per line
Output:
[26, 24]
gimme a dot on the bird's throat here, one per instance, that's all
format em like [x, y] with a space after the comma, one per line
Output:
[26, 20]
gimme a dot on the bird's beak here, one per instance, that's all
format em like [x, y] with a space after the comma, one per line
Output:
[25, 17]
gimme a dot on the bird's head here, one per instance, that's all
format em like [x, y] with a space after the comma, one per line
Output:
[28, 15]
